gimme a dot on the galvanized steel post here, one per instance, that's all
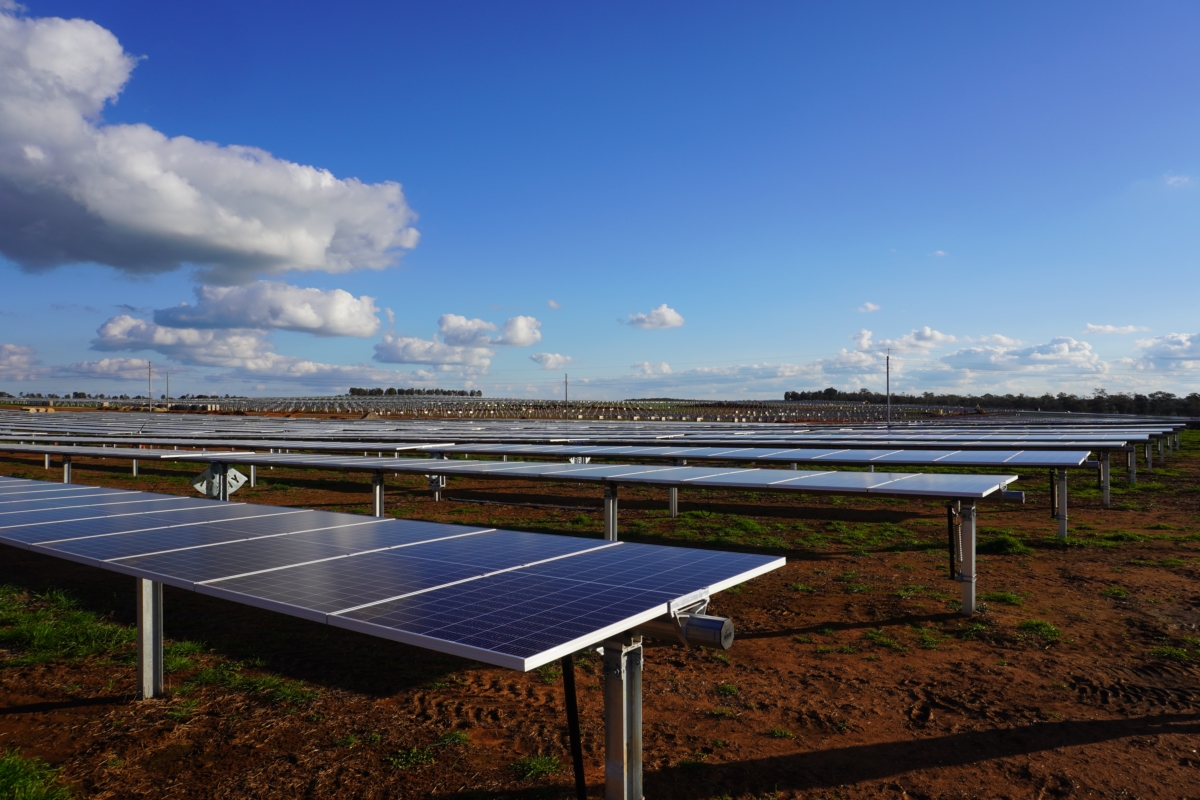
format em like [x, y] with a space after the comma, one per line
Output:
[967, 572]
[377, 492]
[610, 512]
[66, 469]
[623, 719]
[149, 639]
[1062, 503]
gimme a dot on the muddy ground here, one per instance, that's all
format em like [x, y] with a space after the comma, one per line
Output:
[853, 675]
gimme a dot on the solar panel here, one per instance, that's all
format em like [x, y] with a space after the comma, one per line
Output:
[508, 598]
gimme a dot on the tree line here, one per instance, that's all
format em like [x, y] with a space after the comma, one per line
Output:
[1101, 402]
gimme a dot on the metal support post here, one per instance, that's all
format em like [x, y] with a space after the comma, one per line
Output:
[573, 732]
[673, 494]
[1161, 455]
[66, 469]
[1149, 458]
[47, 459]
[1131, 458]
[967, 574]
[253, 476]
[149, 639]
[870, 468]
[1053, 496]
[610, 512]
[135, 471]
[221, 471]
[954, 536]
[436, 484]
[1062, 503]
[1106, 478]
[377, 493]
[623, 719]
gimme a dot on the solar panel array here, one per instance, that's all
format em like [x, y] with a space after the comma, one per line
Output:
[507, 598]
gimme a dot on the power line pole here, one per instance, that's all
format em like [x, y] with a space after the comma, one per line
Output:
[889, 387]
[150, 384]
[566, 388]
[168, 374]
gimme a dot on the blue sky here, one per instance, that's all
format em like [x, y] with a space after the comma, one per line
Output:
[700, 199]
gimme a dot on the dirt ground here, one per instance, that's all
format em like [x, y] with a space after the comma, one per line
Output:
[853, 674]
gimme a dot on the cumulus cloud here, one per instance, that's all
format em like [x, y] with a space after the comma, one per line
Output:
[124, 369]
[270, 304]
[647, 368]
[459, 342]
[1172, 351]
[997, 338]
[76, 190]
[458, 331]
[554, 304]
[1060, 352]
[868, 307]
[920, 340]
[657, 319]
[519, 332]
[551, 360]
[414, 350]
[244, 353]
[19, 363]
[1114, 328]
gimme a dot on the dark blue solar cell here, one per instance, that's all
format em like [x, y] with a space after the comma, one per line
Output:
[228, 560]
[98, 511]
[103, 548]
[347, 582]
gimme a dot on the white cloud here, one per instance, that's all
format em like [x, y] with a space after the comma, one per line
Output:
[19, 363]
[551, 361]
[554, 304]
[519, 332]
[269, 304]
[1060, 352]
[125, 369]
[459, 331]
[76, 190]
[656, 319]
[868, 307]
[996, 338]
[939, 253]
[1178, 181]
[413, 350]
[460, 342]
[1114, 328]
[1171, 351]
[647, 368]
[920, 340]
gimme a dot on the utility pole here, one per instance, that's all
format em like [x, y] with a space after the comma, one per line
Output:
[150, 384]
[889, 387]
[566, 388]
[168, 376]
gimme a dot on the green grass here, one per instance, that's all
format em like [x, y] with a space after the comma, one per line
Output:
[549, 673]
[877, 637]
[180, 711]
[51, 625]
[1041, 629]
[782, 733]
[177, 656]
[1004, 598]
[721, 712]
[532, 767]
[29, 779]
[1171, 653]
[727, 690]
[412, 757]
[229, 675]
[453, 739]
[802, 587]
[1114, 591]
[1003, 544]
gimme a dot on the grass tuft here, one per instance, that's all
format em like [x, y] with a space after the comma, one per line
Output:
[29, 779]
[532, 767]
[1041, 629]
[413, 757]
